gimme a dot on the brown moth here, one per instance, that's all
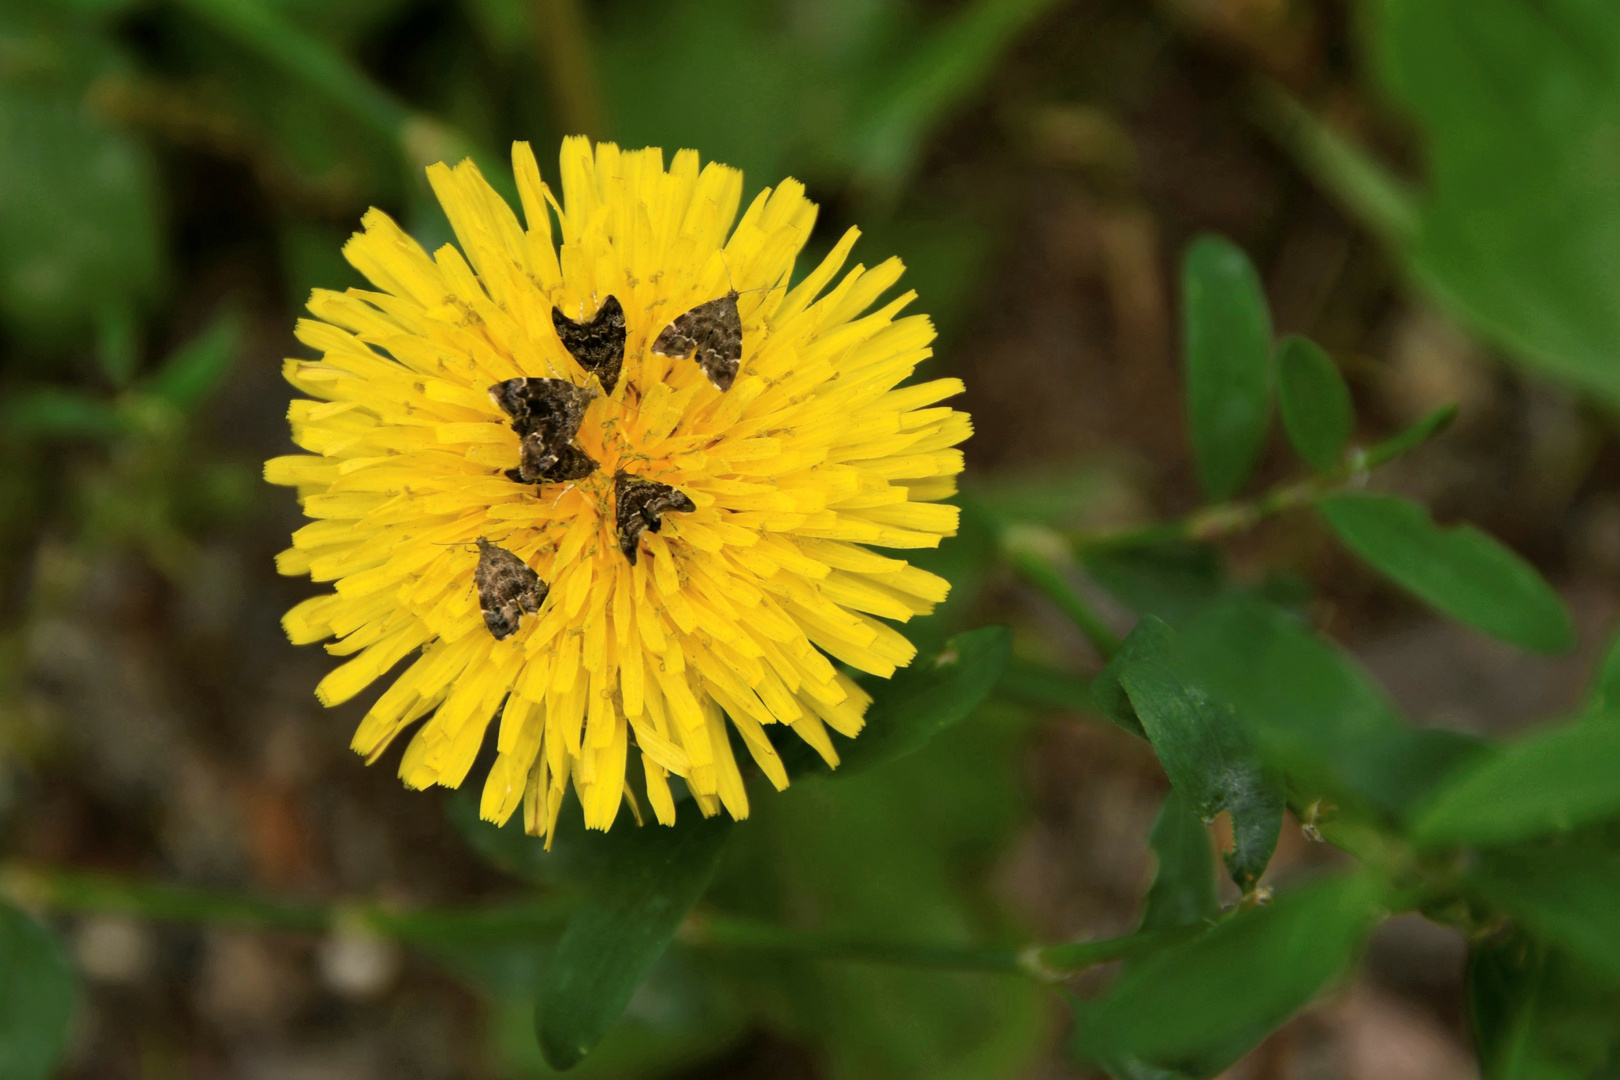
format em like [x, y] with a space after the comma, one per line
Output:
[547, 414]
[640, 504]
[598, 345]
[507, 589]
[713, 332]
[572, 464]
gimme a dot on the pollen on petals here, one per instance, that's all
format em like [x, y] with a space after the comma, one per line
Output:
[760, 577]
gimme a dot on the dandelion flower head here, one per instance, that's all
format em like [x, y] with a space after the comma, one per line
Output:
[758, 576]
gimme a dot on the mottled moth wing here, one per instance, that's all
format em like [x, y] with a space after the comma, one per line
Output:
[572, 464]
[640, 504]
[507, 589]
[598, 345]
[711, 334]
[556, 404]
[547, 414]
[569, 463]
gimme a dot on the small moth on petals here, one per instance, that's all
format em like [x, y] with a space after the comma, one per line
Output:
[640, 504]
[507, 589]
[546, 413]
[710, 333]
[598, 345]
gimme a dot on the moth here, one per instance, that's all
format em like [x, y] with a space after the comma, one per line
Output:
[640, 504]
[598, 345]
[547, 414]
[572, 464]
[507, 589]
[710, 333]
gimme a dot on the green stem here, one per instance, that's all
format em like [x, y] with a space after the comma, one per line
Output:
[420, 139]
[1357, 180]
[1047, 963]
[564, 46]
[66, 891]
[75, 891]
[1040, 557]
[306, 58]
[728, 932]
[1231, 518]
[1062, 961]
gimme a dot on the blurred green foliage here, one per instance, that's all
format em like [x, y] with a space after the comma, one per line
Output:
[1248, 709]
[1520, 216]
[36, 996]
[81, 233]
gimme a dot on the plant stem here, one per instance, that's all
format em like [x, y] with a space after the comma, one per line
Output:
[76, 891]
[1041, 556]
[1231, 518]
[70, 891]
[1061, 961]
[564, 47]
[1349, 174]
[306, 58]
[1047, 963]
[729, 932]
[420, 139]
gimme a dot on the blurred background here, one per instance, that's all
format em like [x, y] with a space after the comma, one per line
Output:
[1429, 188]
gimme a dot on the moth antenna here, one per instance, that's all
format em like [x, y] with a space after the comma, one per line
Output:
[731, 284]
[570, 487]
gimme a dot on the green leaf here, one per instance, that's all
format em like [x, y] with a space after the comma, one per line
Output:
[674, 1037]
[189, 373]
[1549, 780]
[1170, 581]
[36, 998]
[301, 55]
[1136, 1070]
[896, 854]
[1537, 1013]
[1604, 698]
[1228, 355]
[1211, 760]
[943, 69]
[1198, 1006]
[933, 694]
[1206, 753]
[1149, 638]
[1519, 226]
[1314, 402]
[1315, 715]
[57, 412]
[117, 343]
[79, 215]
[576, 854]
[1563, 889]
[1459, 571]
[1042, 686]
[1183, 889]
[631, 909]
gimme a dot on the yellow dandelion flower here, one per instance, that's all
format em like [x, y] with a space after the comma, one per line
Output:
[752, 509]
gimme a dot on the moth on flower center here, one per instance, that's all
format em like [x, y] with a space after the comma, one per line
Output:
[640, 505]
[546, 414]
[597, 345]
